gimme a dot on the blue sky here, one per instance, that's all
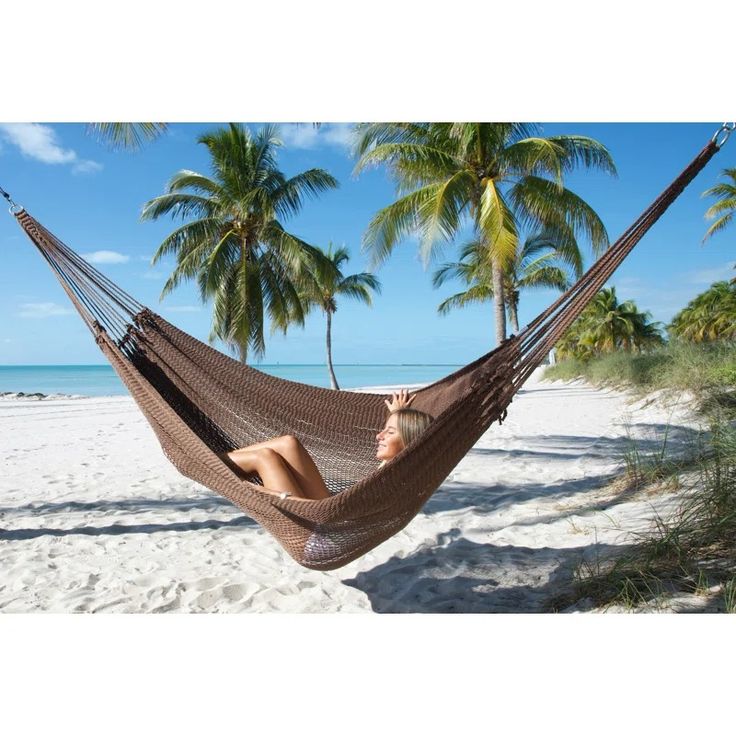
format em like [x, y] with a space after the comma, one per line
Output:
[91, 198]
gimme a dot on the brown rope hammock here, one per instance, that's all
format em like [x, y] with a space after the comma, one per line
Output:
[200, 402]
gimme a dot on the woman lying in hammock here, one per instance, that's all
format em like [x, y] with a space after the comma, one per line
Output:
[283, 463]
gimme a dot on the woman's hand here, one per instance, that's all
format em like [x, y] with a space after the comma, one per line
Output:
[399, 400]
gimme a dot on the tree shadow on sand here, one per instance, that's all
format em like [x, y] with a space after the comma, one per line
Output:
[648, 439]
[455, 575]
[464, 496]
[569, 392]
[489, 497]
[205, 503]
[118, 529]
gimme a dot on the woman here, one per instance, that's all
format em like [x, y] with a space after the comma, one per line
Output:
[283, 463]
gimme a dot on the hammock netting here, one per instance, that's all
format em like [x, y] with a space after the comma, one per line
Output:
[201, 402]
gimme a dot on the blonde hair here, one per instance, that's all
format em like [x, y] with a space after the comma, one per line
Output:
[411, 423]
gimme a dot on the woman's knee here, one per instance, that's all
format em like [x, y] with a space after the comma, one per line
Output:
[266, 455]
[288, 442]
[254, 456]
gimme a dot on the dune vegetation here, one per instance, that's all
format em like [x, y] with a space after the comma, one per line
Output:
[693, 549]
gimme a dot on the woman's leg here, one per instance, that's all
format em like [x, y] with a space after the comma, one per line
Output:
[299, 463]
[270, 466]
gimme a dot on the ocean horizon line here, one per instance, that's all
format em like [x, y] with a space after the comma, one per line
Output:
[251, 365]
[100, 379]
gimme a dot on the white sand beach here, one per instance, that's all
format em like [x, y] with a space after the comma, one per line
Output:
[93, 517]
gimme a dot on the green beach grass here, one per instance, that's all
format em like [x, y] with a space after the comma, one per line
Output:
[693, 549]
[703, 369]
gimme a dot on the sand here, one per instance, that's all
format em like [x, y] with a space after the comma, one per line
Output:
[93, 518]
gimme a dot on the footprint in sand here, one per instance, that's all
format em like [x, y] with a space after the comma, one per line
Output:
[84, 606]
[109, 605]
[166, 607]
[207, 599]
[208, 583]
[235, 592]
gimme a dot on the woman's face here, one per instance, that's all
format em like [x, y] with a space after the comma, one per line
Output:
[390, 443]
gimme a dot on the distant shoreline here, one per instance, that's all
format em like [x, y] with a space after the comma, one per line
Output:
[251, 365]
[43, 382]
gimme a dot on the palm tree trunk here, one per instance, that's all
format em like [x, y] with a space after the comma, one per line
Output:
[333, 380]
[514, 316]
[499, 302]
[244, 266]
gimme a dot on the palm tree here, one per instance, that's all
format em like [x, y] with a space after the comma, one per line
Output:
[326, 285]
[236, 248]
[607, 325]
[725, 207]
[496, 176]
[532, 267]
[130, 136]
[710, 316]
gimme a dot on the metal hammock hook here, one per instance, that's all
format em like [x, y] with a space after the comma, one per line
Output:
[14, 208]
[722, 134]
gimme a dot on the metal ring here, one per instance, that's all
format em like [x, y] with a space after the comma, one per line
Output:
[722, 134]
[15, 209]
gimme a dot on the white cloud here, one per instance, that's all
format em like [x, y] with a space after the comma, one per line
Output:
[340, 134]
[626, 281]
[38, 142]
[631, 287]
[154, 275]
[86, 167]
[105, 256]
[184, 308]
[41, 310]
[41, 143]
[708, 276]
[299, 136]
[305, 135]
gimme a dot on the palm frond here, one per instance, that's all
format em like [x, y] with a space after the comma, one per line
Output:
[539, 202]
[448, 271]
[439, 216]
[561, 241]
[370, 135]
[358, 286]
[289, 198]
[413, 164]
[178, 205]
[544, 276]
[187, 179]
[192, 235]
[283, 301]
[130, 136]
[497, 223]
[719, 225]
[583, 151]
[474, 295]
[534, 156]
[393, 223]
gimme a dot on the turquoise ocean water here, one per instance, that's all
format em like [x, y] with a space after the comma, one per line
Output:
[101, 380]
